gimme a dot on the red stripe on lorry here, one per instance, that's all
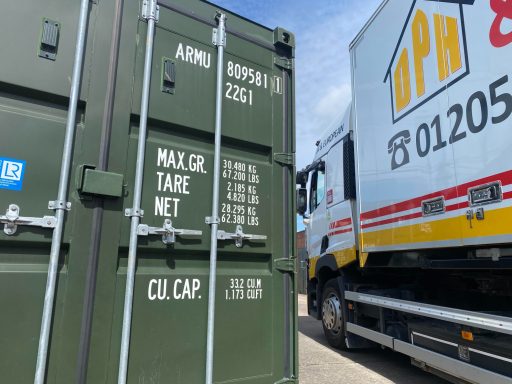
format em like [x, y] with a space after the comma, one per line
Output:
[340, 223]
[450, 193]
[340, 232]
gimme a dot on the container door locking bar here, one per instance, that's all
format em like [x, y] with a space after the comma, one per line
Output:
[239, 236]
[219, 40]
[167, 231]
[60, 206]
[150, 13]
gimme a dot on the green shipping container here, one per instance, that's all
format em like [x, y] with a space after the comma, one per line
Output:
[130, 178]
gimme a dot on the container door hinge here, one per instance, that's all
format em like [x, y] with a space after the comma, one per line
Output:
[12, 219]
[168, 232]
[150, 10]
[287, 381]
[283, 62]
[239, 236]
[285, 265]
[285, 158]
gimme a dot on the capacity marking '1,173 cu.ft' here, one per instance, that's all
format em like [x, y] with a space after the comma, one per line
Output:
[244, 289]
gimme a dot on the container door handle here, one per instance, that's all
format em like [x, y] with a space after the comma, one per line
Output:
[167, 231]
[239, 236]
[12, 219]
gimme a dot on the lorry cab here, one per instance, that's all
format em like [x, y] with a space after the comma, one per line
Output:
[330, 210]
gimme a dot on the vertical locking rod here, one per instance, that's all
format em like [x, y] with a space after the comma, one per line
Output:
[150, 12]
[60, 206]
[220, 43]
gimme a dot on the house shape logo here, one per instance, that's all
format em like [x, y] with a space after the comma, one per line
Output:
[431, 54]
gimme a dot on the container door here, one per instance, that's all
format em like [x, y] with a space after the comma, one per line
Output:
[38, 40]
[255, 311]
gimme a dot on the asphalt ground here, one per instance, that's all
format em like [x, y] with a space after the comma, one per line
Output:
[321, 364]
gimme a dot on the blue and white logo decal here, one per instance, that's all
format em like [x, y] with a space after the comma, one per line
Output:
[11, 174]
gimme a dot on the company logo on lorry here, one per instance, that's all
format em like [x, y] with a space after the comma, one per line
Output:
[503, 10]
[336, 134]
[431, 54]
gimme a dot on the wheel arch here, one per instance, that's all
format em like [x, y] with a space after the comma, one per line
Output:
[325, 270]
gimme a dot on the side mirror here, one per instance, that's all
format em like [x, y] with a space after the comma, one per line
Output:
[302, 201]
[302, 178]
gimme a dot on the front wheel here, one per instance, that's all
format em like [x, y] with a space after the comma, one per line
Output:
[332, 316]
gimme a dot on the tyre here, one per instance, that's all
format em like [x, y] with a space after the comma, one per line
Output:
[332, 316]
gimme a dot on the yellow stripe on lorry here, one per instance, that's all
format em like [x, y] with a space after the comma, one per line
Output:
[497, 222]
[343, 258]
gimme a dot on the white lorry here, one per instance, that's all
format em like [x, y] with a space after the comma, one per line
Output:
[409, 218]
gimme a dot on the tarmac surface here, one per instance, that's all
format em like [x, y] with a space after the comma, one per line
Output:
[321, 364]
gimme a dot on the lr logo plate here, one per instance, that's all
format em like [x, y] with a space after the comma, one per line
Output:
[11, 174]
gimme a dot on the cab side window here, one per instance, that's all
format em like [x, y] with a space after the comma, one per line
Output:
[317, 189]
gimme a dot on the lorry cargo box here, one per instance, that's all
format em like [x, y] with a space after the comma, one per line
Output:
[254, 333]
[432, 113]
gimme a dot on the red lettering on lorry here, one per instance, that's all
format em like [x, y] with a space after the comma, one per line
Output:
[503, 10]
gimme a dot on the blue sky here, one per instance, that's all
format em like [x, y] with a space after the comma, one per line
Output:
[323, 31]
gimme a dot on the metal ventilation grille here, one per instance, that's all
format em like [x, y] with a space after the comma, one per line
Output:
[49, 39]
[349, 169]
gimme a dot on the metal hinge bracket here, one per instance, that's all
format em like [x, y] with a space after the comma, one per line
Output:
[212, 220]
[150, 10]
[12, 219]
[285, 158]
[130, 212]
[239, 236]
[284, 63]
[57, 204]
[64, 205]
[167, 231]
[286, 265]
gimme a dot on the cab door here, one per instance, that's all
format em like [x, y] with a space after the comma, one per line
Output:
[318, 213]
